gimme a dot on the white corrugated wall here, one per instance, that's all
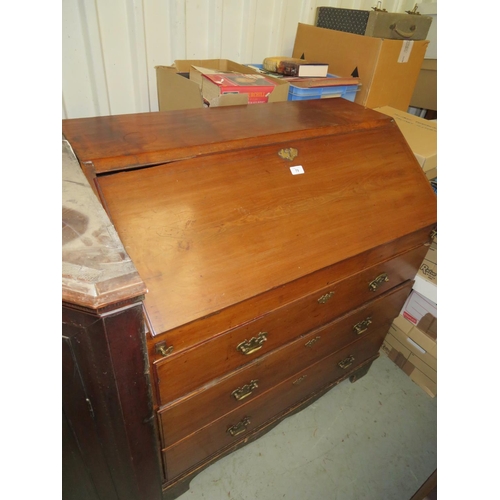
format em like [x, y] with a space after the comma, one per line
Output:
[110, 47]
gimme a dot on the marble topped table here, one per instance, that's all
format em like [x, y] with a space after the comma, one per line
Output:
[96, 270]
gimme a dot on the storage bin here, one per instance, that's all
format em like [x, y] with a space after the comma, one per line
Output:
[344, 91]
[297, 93]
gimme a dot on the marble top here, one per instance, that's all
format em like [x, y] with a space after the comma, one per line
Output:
[96, 269]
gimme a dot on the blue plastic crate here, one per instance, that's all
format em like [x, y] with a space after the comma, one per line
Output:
[344, 91]
[300, 94]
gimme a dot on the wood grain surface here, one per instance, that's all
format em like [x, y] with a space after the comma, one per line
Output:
[213, 231]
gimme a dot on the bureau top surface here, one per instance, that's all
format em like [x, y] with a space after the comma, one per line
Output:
[208, 232]
[127, 141]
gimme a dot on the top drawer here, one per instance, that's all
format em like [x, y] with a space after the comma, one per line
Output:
[179, 374]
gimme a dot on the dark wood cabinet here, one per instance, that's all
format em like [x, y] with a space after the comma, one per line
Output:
[247, 259]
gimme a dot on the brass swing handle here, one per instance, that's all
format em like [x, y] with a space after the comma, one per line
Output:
[311, 342]
[163, 349]
[345, 363]
[254, 344]
[239, 428]
[246, 390]
[325, 298]
[299, 380]
[379, 280]
[362, 326]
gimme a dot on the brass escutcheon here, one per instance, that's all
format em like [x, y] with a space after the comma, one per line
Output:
[254, 344]
[288, 153]
[362, 326]
[246, 390]
[379, 280]
[238, 428]
[325, 298]
[345, 363]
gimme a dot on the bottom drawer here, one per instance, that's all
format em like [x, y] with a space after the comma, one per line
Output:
[238, 424]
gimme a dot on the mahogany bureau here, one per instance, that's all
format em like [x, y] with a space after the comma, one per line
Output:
[260, 254]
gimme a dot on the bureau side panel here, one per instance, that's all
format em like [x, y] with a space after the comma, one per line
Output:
[107, 402]
[85, 471]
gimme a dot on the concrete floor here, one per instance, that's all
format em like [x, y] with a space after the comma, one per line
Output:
[371, 440]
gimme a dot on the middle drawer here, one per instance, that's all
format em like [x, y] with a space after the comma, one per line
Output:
[222, 395]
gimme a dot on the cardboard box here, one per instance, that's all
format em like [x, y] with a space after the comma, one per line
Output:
[177, 90]
[395, 350]
[419, 342]
[406, 360]
[414, 352]
[428, 385]
[421, 136]
[425, 92]
[388, 69]
[421, 312]
[418, 376]
[426, 278]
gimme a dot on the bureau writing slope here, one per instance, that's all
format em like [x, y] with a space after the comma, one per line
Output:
[269, 248]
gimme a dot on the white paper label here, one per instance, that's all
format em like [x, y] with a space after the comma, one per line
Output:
[297, 170]
[406, 48]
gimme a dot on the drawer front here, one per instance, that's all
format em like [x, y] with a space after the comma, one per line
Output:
[238, 424]
[410, 250]
[214, 400]
[179, 374]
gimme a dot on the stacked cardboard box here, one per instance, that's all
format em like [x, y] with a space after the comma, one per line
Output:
[414, 351]
[412, 342]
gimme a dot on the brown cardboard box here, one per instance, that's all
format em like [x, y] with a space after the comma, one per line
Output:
[428, 385]
[395, 350]
[387, 69]
[421, 136]
[420, 344]
[425, 93]
[406, 365]
[176, 89]
[414, 352]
